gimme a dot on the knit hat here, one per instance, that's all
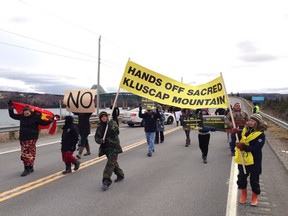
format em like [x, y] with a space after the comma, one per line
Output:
[103, 113]
[149, 108]
[26, 108]
[256, 117]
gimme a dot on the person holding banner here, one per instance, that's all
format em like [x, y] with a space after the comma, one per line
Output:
[250, 145]
[150, 126]
[107, 135]
[28, 134]
[240, 118]
[186, 115]
[160, 126]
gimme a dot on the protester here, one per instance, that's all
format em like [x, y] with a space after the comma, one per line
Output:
[204, 134]
[84, 131]
[177, 116]
[255, 108]
[28, 134]
[160, 126]
[68, 144]
[115, 114]
[109, 146]
[250, 145]
[240, 118]
[150, 119]
[185, 116]
[220, 111]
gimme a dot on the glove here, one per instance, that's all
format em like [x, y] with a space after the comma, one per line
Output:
[56, 117]
[234, 130]
[239, 145]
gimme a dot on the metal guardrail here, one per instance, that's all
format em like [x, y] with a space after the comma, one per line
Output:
[279, 122]
[14, 128]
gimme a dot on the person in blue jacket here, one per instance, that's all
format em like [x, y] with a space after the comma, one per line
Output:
[252, 141]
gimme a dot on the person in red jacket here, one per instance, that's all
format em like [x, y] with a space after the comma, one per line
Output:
[28, 134]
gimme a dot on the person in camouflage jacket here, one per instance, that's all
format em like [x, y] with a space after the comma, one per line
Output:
[109, 146]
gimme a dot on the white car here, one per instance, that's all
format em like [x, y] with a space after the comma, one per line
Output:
[131, 117]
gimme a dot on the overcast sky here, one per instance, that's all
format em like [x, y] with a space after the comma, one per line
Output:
[51, 46]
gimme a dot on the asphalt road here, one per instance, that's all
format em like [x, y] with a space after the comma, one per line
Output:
[174, 181]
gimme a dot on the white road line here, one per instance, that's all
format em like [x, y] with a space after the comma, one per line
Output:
[231, 209]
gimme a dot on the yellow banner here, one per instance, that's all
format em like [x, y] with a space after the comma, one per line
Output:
[164, 90]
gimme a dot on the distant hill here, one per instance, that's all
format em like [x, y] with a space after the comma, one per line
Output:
[40, 100]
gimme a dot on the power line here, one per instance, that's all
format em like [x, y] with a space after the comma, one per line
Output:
[51, 53]
[50, 44]
[65, 20]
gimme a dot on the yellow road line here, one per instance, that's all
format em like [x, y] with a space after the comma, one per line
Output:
[42, 181]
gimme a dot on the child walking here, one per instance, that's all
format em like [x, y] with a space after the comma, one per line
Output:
[68, 144]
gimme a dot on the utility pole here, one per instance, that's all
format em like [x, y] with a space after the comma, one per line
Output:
[98, 77]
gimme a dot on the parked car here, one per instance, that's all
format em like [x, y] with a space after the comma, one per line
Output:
[131, 117]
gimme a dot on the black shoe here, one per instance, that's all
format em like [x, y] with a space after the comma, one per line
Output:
[156, 142]
[78, 156]
[66, 171]
[205, 160]
[149, 154]
[162, 141]
[25, 172]
[119, 178]
[77, 165]
[31, 169]
[87, 153]
[104, 187]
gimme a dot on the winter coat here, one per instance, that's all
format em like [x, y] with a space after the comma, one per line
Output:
[150, 120]
[255, 147]
[69, 138]
[112, 142]
[160, 122]
[84, 123]
[29, 124]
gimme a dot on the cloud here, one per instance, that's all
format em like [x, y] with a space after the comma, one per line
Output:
[258, 58]
[18, 19]
[38, 83]
[247, 47]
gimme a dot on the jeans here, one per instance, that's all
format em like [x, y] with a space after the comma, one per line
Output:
[150, 137]
[232, 143]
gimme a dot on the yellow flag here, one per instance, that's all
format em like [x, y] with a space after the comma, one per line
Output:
[164, 90]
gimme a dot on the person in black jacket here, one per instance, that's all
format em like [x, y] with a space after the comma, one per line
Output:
[150, 124]
[84, 131]
[68, 144]
[28, 134]
[204, 135]
[115, 114]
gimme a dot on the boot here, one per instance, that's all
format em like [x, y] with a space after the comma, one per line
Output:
[81, 148]
[31, 169]
[77, 164]
[254, 200]
[26, 171]
[187, 142]
[87, 150]
[68, 169]
[243, 196]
